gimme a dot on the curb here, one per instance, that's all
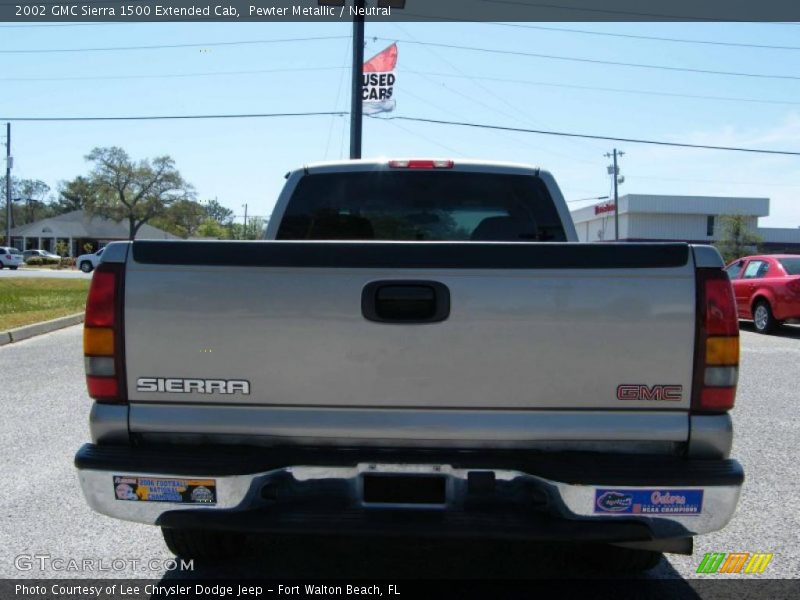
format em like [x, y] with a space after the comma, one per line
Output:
[29, 331]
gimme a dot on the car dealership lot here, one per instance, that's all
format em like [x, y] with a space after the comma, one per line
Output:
[45, 410]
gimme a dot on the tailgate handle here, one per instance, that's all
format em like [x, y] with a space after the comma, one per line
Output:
[405, 301]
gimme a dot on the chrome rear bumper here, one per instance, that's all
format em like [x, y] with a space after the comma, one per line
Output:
[603, 498]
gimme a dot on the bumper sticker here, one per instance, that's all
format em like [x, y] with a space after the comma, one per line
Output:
[648, 502]
[158, 489]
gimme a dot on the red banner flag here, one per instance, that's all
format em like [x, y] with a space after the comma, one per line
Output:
[377, 89]
[382, 62]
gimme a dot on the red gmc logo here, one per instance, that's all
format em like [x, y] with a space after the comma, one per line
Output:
[646, 392]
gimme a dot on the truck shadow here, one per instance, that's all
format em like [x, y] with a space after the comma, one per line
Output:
[360, 558]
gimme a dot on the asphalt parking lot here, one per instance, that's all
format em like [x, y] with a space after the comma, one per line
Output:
[44, 421]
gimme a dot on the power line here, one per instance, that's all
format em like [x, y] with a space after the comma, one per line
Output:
[610, 89]
[471, 99]
[650, 37]
[515, 114]
[180, 117]
[716, 181]
[609, 34]
[172, 46]
[413, 72]
[169, 75]
[515, 110]
[416, 42]
[417, 120]
[468, 97]
[427, 139]
[596, 137]
[587, 199]
[596, 61]
[514, 25]
[341, 78]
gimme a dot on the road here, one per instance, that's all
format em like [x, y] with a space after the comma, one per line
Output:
[60, 274]
[44, 421]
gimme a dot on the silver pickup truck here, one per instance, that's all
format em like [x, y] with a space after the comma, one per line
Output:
[420, 347]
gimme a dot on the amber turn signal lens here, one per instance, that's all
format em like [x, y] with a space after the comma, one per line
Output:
[98, 341]
[722, 351]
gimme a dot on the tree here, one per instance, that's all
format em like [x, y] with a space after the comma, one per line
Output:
[212, 229]
[256, 226]
[217, 212]
[62, 248]
[134, 191]
[74, 195]
[29, 201]
[737, 239]
[182, 218]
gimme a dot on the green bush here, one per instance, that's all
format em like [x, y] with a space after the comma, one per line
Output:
[67, 262]
[35, 261]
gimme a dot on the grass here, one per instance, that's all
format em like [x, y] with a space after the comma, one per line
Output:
[24, 301]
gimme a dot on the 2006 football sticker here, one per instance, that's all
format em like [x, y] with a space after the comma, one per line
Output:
[158, 489]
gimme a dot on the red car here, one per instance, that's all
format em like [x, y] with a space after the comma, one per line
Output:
[767, 289]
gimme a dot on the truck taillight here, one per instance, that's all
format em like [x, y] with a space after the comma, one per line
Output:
[103, 335]
[716, 364]
[421, 164]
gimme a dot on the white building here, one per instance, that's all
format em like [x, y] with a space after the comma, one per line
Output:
[647, 217]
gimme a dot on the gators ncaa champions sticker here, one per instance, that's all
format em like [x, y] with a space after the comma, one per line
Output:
[649, 502]
[156, 489]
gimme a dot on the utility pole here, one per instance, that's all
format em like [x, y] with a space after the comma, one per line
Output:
[614, 171]
[8, 184]
[244, 234]
[357, 72]
[356, 108]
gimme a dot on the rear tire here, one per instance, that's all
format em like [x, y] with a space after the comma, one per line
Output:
[13, 268]
[616, 559]
[763, 319]
[86, 267]
[204, 544]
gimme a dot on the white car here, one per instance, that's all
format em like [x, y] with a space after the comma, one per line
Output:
[10, 257]
[47, 257]
[88, 262]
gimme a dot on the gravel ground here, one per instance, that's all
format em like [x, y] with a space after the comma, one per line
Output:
[44, 421]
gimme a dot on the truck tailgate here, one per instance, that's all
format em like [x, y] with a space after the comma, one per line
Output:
[530, 326]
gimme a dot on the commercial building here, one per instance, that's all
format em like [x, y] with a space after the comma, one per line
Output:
[79, 231]
[696, 219]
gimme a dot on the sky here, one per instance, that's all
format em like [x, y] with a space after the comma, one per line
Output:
[243, 161]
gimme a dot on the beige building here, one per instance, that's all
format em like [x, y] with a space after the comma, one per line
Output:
[78, 230]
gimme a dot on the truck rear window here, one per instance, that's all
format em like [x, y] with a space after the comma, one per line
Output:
[421, 205]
